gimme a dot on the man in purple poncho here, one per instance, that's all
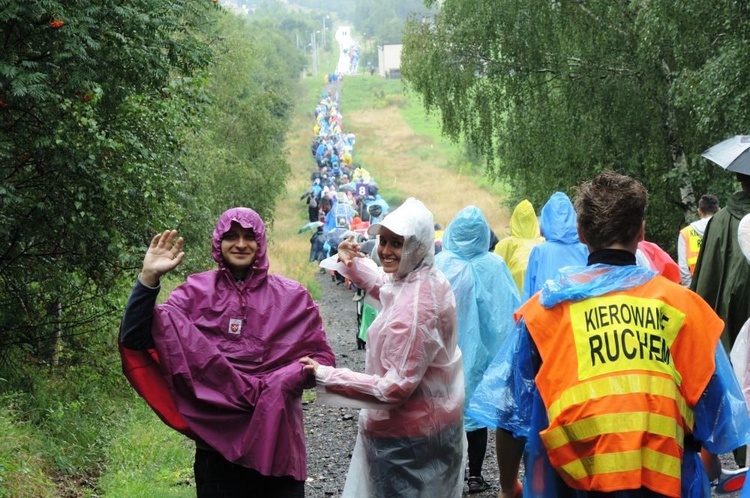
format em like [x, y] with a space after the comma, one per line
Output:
[227, 343]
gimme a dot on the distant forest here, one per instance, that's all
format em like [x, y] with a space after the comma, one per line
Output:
[381, 20]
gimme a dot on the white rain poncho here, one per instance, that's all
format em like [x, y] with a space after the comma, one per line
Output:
[411, 441]
[486, 295]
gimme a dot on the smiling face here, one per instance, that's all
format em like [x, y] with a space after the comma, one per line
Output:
[390, 248]
[238, 249]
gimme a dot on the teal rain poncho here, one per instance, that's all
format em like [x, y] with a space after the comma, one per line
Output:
[486, 295]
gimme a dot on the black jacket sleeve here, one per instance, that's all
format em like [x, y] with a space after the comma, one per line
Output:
[135, 330]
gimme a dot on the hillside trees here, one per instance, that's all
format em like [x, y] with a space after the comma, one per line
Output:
[236, 156]
[383, 20]
[95, 100]
[551, 92]
[116, 120]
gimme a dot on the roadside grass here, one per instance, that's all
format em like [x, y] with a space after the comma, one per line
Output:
[22, 463]
[370, 92]
[289, 251]
[148, 460]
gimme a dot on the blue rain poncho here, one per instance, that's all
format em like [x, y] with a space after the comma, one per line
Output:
[507, 397]
[486, 295]
[561, 248]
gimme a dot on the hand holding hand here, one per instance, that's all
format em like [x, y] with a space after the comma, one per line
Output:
[310, 365]
[163, 255]
[348, 250]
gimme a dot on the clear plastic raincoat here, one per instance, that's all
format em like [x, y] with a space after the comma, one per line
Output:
[486, 295]
[411, 441]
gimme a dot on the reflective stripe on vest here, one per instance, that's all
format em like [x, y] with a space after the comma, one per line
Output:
[610, 448]
[616, 376]
[692, 246]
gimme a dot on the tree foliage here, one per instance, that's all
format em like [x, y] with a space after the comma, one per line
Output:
[89, 135]
[383, 20]
[117, 120]
[552, 92]
[237, 155]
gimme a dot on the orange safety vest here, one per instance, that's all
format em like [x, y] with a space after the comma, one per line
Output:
[619, 378]
[692, 246]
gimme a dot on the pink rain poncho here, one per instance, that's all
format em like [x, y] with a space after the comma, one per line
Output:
[411, 440]
[229, 354]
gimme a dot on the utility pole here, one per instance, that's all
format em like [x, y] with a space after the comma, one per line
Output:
[315, 50]
[324, 33]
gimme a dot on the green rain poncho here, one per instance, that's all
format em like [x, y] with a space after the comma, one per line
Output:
[722, 275]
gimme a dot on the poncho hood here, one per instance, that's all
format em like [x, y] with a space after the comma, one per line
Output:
[247, 219]
[739, 204]
[468, 235]
[559, 220]
[575, 283]
[415, 223]
[523, 221]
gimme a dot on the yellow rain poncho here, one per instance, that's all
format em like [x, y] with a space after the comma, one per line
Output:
[524, 235]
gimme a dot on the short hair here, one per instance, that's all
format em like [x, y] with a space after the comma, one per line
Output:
[708, 204]
[610, 209]
[744, 181]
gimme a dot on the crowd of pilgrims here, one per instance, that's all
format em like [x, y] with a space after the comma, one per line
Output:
[343, 198]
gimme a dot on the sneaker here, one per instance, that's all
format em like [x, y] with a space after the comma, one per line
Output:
[730, 481]
[358, 296]
[477, 484]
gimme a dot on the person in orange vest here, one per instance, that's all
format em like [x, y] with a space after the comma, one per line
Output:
[689, 240]
[613, 380]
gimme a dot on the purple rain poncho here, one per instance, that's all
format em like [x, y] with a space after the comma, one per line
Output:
[229, 353]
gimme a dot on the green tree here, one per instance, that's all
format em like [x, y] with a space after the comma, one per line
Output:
[237, 156]
[383, 20]
[551, 92]
[95, 101]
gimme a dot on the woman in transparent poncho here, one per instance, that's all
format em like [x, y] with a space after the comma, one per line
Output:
[411, 440]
